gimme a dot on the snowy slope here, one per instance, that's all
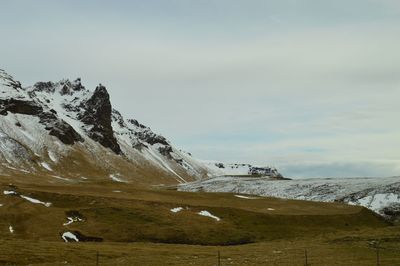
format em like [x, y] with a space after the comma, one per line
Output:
[235, 169]
[63, 131]
[381, 195]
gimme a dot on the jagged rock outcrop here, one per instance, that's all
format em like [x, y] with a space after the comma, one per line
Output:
[97, 116]
[19, 107]
[60, 129]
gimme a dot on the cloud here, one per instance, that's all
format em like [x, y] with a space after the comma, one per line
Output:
[279, 82]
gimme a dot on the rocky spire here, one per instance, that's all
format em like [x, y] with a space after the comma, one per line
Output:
[97, 114]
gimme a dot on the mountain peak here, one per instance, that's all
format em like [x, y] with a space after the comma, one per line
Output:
[8, 80]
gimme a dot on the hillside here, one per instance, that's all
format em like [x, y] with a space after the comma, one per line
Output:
[123, 214]
[381, 195]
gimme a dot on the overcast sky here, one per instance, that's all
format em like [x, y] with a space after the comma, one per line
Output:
[309, 86]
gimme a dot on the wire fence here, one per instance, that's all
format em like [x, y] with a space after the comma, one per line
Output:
[79, 254]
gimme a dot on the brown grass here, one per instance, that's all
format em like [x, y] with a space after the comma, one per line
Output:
[137, 227]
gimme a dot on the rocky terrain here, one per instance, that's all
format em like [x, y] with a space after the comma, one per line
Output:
[382, 195]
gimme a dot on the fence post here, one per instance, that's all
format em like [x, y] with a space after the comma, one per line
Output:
[306, 257]
[97, 258]
[219, 258]
[377, 255]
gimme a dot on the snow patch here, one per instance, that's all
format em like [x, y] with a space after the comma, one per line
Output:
[72, 219]
[378, 201]
[9, 192]
[11, 229]
[176, 210]
[52, 156]
[35, 201]
[245, 197]
[207, 214]
[67, 236]
[45, 165]
[61, 178]
[117, 179]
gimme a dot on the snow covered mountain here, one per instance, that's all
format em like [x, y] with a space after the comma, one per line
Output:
[381, 195]
[62, 132]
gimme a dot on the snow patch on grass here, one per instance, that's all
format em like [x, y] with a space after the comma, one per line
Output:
[9, 192]
[35, 201]
[245, 197]
[67, 236]
[52, 156]
[176, 210]
[208, 214]
[32, 200]
[61, 178]
[117, 179]
[46, 166]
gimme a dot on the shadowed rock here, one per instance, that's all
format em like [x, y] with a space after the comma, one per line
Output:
[97, 115]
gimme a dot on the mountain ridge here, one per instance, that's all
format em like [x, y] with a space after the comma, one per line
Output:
[84, 122]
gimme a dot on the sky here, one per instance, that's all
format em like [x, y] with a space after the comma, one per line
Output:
[311, 87]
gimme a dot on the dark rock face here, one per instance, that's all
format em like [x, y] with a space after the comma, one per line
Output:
[55, 126]
[44, 86]
[9, 81]
[220, 165]
[97, 114]
[136, 123]
[152, 138]
[64, 132]
[165, 150]
[19, 107]
[264, 171]
[393, 210]
[76, 215]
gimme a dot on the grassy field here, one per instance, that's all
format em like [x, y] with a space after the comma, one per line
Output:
[136, 226]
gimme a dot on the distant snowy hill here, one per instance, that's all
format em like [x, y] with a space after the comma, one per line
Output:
[237, 169]
[62, 132]
[381, 195]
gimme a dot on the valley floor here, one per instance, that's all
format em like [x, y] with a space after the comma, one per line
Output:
[142, 226]
[353, 249]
